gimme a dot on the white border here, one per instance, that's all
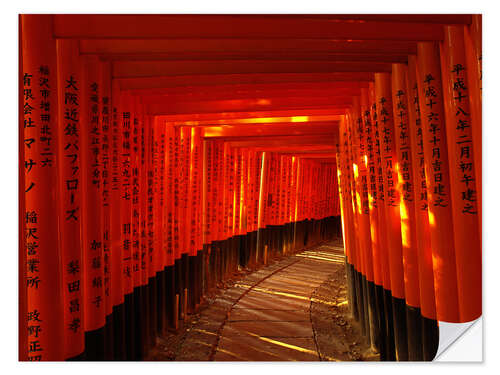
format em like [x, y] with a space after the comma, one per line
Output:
[9, 159]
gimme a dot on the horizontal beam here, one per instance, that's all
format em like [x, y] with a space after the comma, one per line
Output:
[233, 79]
[326, 99]
[319, 155]
[258, 96]
[124, 69]
[160, 108]
[247, 88]
[297, 115]
[324, 140]
[86, 26]
[292, 148]
[285, 138]
[296, 55]
[266, 45]
[271, 129]
[419, 18]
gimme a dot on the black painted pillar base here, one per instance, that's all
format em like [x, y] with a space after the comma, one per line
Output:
[400, 330]
[161, 302]
[119, 332]
[360, 301]
[365, 306]
[153, 311]
[414, 329]
[108, 337]
[94, 345]
[170, 295]
[382, 322]
[389, 326]
[192, 282]
[373, 315]
[138, 319]
[351, 290]
[129, 326]
[430, 338]
[143, 319]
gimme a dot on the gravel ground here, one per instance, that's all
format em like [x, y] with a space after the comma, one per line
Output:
[338, 336]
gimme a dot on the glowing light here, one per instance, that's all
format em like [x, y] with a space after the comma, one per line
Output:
[432, 219]
[204, 331]
[300, 118]
[289, 346]
[339, 260]
[358, 200]
[355, 170]
[192, 139]
[400, 176]
[373, 234]
[437, 262]
[405, 234]
[370, 202]
[263, 102]
[403, 211]
[189, 123]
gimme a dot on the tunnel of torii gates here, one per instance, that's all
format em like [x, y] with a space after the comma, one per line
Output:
[159, 153]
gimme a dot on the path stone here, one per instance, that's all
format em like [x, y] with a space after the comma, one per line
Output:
[266, 316]
[271, 322]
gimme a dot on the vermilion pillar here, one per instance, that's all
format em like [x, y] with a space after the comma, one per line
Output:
[42, 314]
[463, 173]
[392, 200]
[407, 210]
[379, 190]
[423, 239]
[92, 234]
[438, 181]
[474, 60]
[371, 183]
[69, 86]
[363, 209]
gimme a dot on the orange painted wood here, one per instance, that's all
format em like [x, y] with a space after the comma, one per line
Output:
[268, 45]
[162, 68]
[238, 26]
[474, 57]
[423, 239]
[380, 190]
[233, 79]
[391, 194]
[115, 189]
[69, 87]
[106, 114]
[437, 174]
[405, 185]
[92, 234]
[40, 292]
[373, 202]
[463, 175]
[359, 149]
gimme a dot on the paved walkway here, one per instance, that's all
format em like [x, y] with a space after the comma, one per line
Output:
[267, 315]
[295, 309]
[272, 320]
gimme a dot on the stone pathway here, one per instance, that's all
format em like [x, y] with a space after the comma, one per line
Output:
[272, 320]
[267, 315]
[295, 309]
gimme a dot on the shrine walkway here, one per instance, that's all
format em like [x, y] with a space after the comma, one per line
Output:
[266, 316]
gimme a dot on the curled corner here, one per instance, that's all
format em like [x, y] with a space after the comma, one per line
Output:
[449, 333]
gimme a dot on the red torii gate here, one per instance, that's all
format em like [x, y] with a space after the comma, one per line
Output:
[267, 97]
